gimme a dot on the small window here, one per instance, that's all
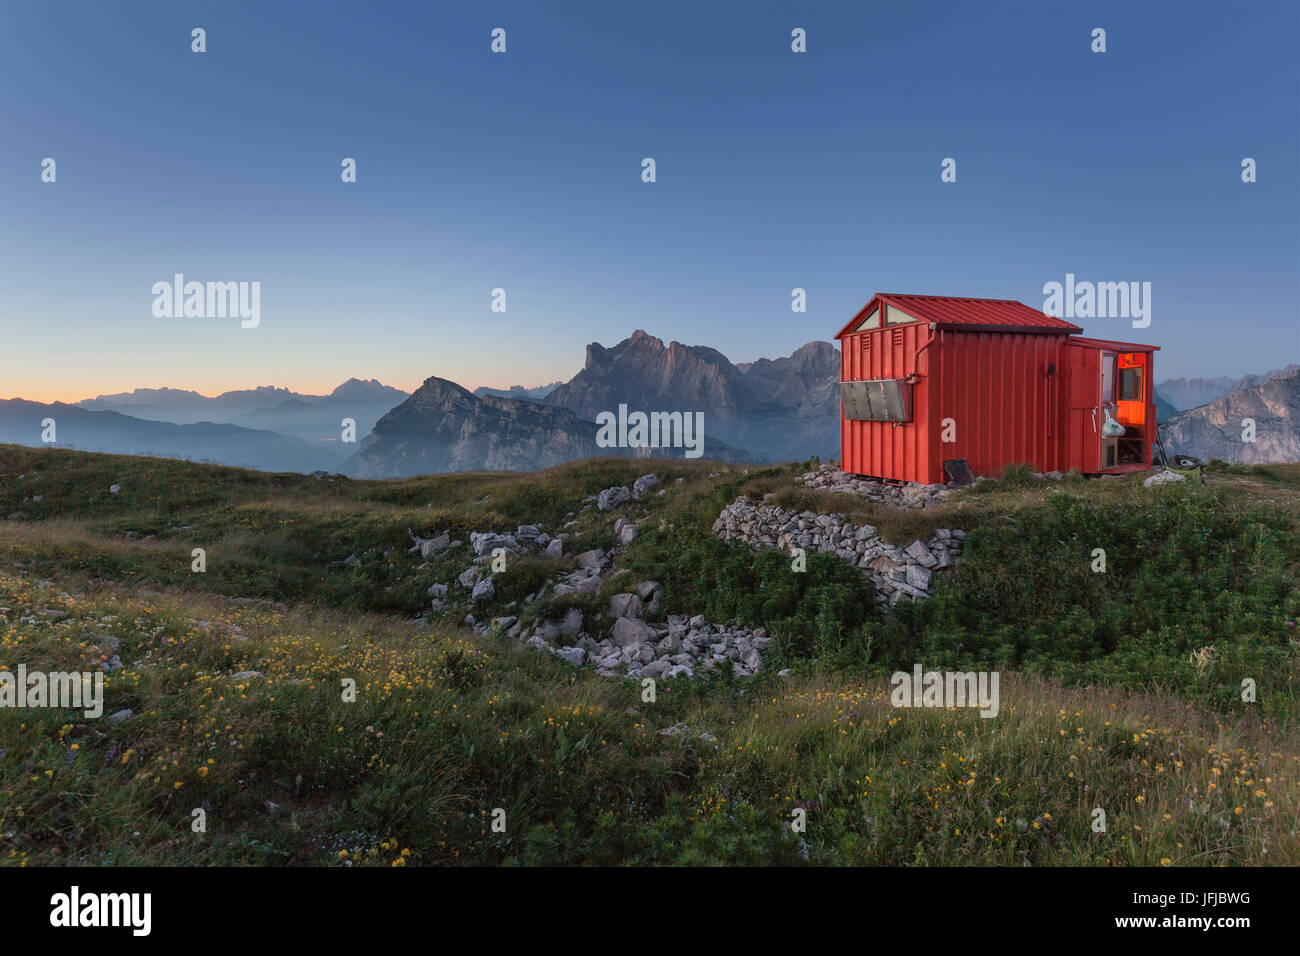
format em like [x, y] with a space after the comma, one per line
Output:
[1130, 385]
[877, 400]
[897, 317]
[870, 322]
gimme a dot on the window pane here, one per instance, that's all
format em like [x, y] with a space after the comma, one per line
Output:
[897, 316]
[870, 322]
[1130, 384]
[1107, 378]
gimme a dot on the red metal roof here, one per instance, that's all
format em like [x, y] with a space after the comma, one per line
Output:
[972, 315]
[1112, 345]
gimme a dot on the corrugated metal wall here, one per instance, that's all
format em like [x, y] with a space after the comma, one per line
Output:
[1003, 404]
[885, 449]
[989, 390]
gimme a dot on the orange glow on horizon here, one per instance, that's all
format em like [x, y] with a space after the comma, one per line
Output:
[46, 392]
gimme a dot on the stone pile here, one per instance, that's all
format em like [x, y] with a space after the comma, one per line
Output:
[895, 572]
[637, 648]
[617, 642]
[586, 578]
[527, 539]
[909, 495]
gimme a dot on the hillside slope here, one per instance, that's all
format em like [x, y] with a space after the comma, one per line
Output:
[1120, 690]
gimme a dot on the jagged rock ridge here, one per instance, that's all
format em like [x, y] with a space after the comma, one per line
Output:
[1215, 430]
[780, 409]
[443, 427]
[1185, 393]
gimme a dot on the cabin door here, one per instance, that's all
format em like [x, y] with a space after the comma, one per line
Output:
[1109, 374]
[1115, 385]
[1084, 438]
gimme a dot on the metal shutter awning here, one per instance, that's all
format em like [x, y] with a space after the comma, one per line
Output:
[877, 400]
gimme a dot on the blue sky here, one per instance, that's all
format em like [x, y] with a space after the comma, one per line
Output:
[522, 171]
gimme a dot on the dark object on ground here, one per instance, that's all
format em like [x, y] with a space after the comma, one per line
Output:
[958, 471]
[1177, 462]
[1187, 465]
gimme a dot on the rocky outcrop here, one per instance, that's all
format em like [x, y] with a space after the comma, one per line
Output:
[627, 638]
[586, 578]
[442, 427]
[895, 573]
[1215, 430]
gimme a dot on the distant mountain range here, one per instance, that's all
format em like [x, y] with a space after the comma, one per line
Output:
[21, 423]
[535, 394]
[779, 409]
[443, 427]
[773, 409]
[768, 410]
[1164, 410]
[1214, 430]
[313, 419]
[1185, 393]
[182, 407]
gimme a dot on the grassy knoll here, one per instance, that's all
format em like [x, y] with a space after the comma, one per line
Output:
[1120, 691]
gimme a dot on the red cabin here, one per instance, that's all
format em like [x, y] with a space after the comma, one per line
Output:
[926, 379]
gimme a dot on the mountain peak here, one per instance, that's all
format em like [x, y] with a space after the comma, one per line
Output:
[370, 390]
[788, 408]
[437, 389]
[642, 337]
